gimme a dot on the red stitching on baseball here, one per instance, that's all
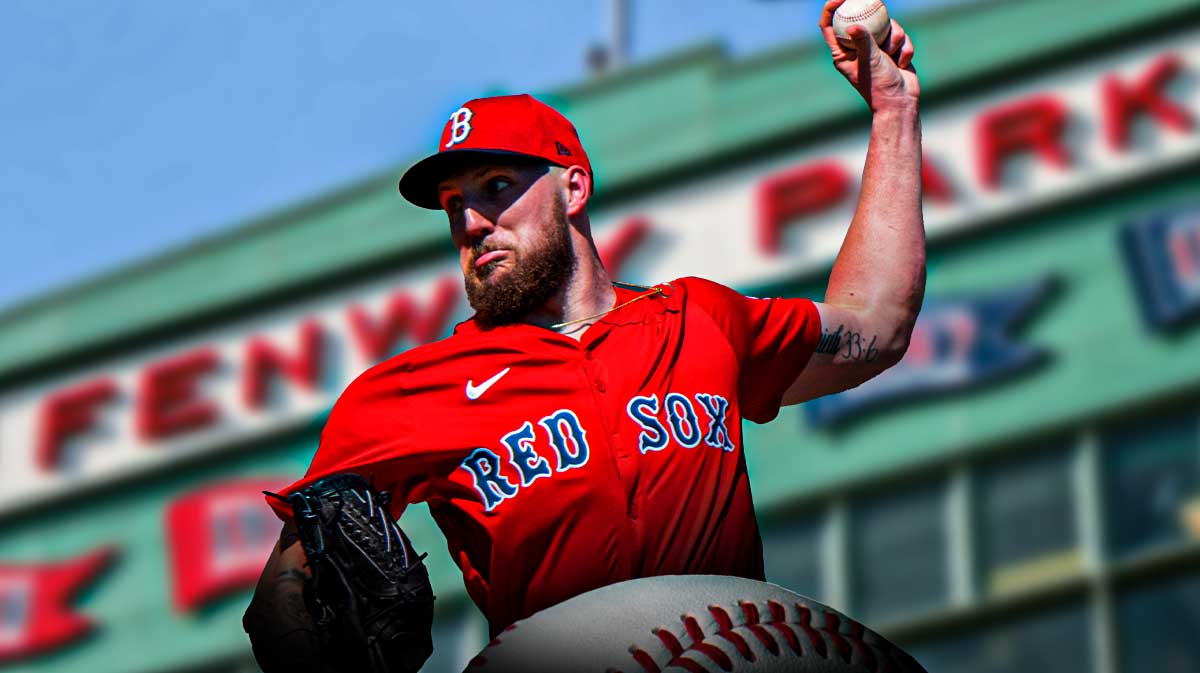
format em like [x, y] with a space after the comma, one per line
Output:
[831, 627]
[779, 622]
[646, 661]
[711, 651]
[669, 639]
[815, 638]
[856, 636]
[887, 659]
[750, 613]
[688, 664]
[725, 624]
[870, 11]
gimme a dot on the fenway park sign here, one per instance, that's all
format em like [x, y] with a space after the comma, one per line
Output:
[988, 160]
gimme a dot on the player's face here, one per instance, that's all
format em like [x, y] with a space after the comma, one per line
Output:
[509, 223]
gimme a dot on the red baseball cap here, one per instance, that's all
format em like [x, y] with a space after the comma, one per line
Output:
[499, 126]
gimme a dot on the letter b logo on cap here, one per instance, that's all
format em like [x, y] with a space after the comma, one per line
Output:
[460, 126]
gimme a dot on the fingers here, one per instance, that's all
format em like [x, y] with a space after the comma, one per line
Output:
[898, 46]
[865, 52]
[825, 23]
[906, 56]
[862, 39]
[895, 40]
[827, 12]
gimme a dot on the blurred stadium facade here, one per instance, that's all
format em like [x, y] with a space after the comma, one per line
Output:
[1021, 494]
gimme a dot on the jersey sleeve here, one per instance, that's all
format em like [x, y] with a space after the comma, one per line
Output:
[773, 339]
[368, 432]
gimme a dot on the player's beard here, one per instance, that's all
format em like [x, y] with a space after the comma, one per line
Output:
[537, 274]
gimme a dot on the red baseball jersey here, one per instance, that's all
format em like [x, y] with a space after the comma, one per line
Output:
[555, 466]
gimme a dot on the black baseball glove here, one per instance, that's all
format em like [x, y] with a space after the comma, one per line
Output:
[369, 593]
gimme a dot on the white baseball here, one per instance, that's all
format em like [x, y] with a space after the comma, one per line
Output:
[870, 14]
[690, 624]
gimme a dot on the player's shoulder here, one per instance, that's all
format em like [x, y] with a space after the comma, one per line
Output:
[705, 293]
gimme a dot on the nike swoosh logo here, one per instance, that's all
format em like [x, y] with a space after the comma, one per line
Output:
[474, 391]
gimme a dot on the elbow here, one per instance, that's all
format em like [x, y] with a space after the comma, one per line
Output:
[895, 342]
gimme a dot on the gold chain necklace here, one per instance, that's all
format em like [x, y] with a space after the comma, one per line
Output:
[650, 291]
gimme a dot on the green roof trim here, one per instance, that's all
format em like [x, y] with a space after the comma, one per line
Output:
[720, 110]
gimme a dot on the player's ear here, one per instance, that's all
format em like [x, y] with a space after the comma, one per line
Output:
[578, 187]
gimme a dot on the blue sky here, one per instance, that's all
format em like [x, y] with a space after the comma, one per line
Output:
[132, 128]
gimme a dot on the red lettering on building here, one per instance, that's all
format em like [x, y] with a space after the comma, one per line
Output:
[69, 412]
[377, 338]
[805, 190]
[934, 185]
[168, 401]
[1122, 101]
[617, 247]
[264, 358]
[1033, 124]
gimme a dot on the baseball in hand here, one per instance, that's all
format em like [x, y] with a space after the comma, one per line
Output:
[870, 14]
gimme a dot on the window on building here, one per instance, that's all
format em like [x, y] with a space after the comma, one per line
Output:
[1027, 521]
[792, 553]
[1153, 482]
[1051, 642]
[1157, 627]
[899, 544]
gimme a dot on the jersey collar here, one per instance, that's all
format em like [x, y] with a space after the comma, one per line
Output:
[593, 333]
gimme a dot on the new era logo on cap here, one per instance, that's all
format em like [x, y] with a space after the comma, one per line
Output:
[493, 128]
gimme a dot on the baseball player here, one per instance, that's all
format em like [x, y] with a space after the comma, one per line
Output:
[577, 432]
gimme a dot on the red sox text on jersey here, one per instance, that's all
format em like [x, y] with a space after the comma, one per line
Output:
[567, 439]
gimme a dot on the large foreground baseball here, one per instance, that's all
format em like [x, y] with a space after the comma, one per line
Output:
[691, 624]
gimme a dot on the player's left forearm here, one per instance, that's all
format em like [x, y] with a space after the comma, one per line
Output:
[880, 269]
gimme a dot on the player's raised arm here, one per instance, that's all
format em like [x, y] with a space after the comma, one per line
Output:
[878, 279]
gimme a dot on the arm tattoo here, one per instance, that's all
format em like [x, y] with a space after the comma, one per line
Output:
[848, 344]
[830, 342]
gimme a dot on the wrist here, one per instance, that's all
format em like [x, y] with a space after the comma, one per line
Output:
[906, 109]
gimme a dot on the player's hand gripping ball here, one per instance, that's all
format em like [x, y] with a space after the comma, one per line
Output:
[872, 52]
[691, 624]
[870, 14]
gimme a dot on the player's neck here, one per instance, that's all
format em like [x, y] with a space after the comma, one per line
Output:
[588, 293]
